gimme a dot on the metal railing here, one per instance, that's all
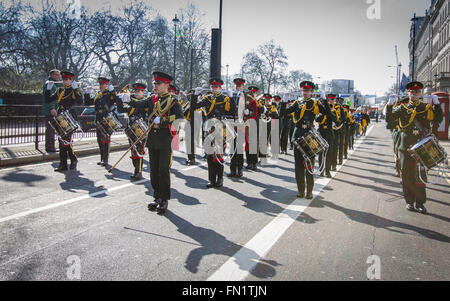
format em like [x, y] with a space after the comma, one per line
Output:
[25, 124]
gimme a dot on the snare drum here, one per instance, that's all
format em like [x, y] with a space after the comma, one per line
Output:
[136, 130]
[311, 144]
[428, 152]
[108, 124]
[64, 124]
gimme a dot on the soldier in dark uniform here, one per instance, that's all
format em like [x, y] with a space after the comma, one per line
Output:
[365, 120]
[194, 133]
[237, 162]
[326, 131]
[104, 103]
[66, 97]
[134, 114]
[284, 124]
[414, 123]
[305, 109]
[277, 104]
[339, 137]
[218, 106]
[353, 125]
[164, 109]
[347, 128]
[271, 113]
[251, 112]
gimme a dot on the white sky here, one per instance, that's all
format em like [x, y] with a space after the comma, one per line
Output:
[331, 39]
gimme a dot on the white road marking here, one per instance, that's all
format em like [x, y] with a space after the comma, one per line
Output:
[80, 198]
[237, 267]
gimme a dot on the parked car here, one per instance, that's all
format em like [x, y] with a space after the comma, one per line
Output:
[86, 119]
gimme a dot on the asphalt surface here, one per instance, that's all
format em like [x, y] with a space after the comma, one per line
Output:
[47, 219]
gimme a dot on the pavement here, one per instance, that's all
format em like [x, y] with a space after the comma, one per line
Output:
[19, 154]
[88, 224]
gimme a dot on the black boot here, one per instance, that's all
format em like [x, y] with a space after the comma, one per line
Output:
[162, 207]
[154, 205]
[73, 164]
[240, 173]
[410, 207]
[301, 194]
[231, 174]
[62, 167]
[219, 182]
[421, 208]
[309, 195]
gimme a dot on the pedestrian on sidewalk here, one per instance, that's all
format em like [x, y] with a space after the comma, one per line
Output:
[49, 110]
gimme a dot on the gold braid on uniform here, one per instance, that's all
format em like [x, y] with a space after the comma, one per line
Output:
[304, 108]
[430, 115]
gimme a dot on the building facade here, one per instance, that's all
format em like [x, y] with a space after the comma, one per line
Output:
[430, 47]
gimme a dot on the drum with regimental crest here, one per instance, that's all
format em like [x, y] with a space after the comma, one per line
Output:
[428, 152]
[64, 124]
[136, 130]
[108, 124]
[311, 144]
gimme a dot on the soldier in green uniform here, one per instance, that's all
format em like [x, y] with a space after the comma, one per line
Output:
[393, 126]
[164, 109]
[338, 127]
[104, 103]
[134, 114]
[414, 123]
[326, 131]
[217, 106]
[305, 110]
[66, 97]
[49, 110]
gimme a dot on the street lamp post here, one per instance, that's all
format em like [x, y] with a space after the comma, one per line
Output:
[175, 21]
[227, 76]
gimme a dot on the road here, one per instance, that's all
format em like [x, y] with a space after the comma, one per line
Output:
[91, 225]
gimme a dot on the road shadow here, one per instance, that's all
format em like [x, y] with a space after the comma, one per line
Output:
[20, 176]
[74, 182]
[380, 222]
[214, 243]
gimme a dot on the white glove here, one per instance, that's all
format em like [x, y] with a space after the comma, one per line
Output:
[125, 97]
[50, 85]
[148, 94]
[157, 120]
[198, 90]
[435, 99]
[230, 93]
[322, 95]
[110, 88]
[391, 100]
[246, 112]
[74, 85]
[89, 90]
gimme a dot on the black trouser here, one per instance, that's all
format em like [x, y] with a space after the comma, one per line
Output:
[284, 138]
[137, 155]
[103, 143]
[160, 162]
[215, 169]
[301, 173]
[330, 152]
[66, 150]
[346, 140]
[237, 163]
[339, 147]
[49, 134]
[413, 189]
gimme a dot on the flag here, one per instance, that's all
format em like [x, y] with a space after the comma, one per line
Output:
[404, 82]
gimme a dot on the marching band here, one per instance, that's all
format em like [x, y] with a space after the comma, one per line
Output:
[314, 125]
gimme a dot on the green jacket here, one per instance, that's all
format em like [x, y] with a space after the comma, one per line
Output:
[409, 133]
[46, 107]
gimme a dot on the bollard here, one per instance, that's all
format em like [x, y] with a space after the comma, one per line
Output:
[36, 141]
